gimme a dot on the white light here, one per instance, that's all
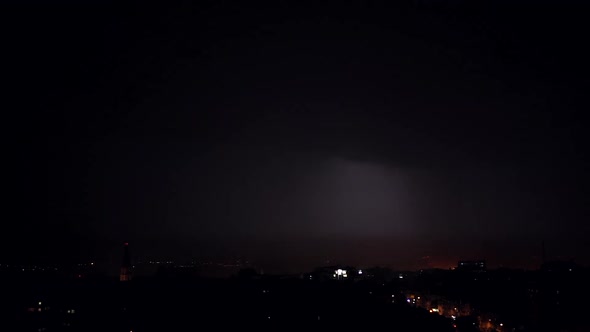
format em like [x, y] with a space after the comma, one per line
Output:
[435, 309]
[361, 271]
[401, 276]
[501, 324]
[453, 317]
[392, 295]
[39, 302]
[418, 297]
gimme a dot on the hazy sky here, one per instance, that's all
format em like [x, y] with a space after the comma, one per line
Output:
[298, 134]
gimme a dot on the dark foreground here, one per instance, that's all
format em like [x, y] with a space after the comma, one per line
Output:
[182, 305]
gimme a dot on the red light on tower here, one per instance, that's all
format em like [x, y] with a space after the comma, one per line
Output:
[126, 265]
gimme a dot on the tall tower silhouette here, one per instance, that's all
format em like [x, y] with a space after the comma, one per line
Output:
[126, 266]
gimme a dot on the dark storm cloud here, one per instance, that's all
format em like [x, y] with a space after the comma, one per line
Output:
[311, 130]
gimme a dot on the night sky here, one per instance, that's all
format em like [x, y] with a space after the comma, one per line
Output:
[296, 134]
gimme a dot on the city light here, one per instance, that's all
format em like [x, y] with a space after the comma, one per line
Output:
[340, 273]
[360, 271]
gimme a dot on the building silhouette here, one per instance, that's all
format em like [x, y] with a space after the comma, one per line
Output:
[472, 266]
[126, 265]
